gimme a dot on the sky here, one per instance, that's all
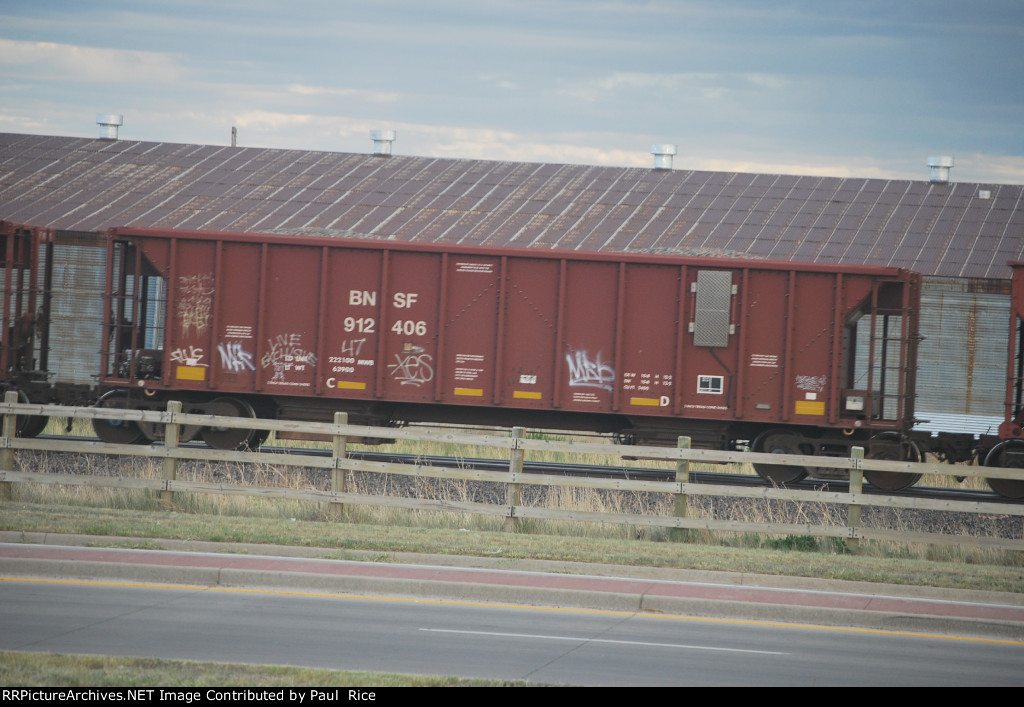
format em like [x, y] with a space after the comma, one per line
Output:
[848, 88]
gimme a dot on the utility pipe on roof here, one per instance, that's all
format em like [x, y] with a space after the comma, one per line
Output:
[382, 140]
[940, 166]
[663, 155]
[110, 124]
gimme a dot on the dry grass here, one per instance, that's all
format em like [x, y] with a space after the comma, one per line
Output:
[18, 669]
[572, 499]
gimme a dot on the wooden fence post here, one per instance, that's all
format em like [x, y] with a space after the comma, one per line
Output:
[10, 430]
[682, 476]
[514, 491]
[171, 432]
[856, 488]
[339, 476]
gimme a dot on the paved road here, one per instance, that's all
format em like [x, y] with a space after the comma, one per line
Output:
[526, 582]
[478, 640]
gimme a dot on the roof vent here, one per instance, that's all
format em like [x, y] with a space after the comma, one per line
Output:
[382, 140]
[109, 125]
[940, 167]
[663, 156]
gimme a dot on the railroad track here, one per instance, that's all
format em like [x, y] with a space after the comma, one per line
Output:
[726, 508]
[700, 477]
[625, 472]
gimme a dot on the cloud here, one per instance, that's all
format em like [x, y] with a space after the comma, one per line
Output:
[369, 96]
[17, 124]
[574, 148]
[707, 86]
[69, 62]
[499, 82]
[269, 121]
[998, 169]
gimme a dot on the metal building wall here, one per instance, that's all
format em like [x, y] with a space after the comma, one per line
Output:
[962, 359]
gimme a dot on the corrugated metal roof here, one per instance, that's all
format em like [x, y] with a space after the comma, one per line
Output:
[90, 185]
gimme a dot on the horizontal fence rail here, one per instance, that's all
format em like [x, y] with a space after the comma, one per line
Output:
[517, 446]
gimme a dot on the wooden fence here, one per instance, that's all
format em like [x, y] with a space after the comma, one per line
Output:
[517, 446]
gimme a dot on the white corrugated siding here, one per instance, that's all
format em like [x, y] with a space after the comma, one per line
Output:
[76, 313]
[962, 359]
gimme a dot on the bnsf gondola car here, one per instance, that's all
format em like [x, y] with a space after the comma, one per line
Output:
[783, 357]
[772, 356]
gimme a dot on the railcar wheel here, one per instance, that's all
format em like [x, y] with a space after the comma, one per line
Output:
[779, 442]
[230, 437]
[29, 425]
[32, 425]
[1008, 456]
[257, 438]
[889, 446]
[117, 431]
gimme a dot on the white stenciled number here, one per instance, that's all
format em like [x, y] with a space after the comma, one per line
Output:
[364, 325]
[408, 327]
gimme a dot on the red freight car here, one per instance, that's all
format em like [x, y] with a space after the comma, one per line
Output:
[19, 261]
[1010, 450]
[52, 286]
[19, 273]
[784, 357]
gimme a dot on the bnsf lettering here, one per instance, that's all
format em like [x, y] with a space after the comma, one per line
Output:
[362, 298]
[404, 300]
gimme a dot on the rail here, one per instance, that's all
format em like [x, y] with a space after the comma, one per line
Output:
[517, 446]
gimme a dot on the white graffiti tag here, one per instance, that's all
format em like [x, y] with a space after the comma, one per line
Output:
[587, 373]
[285, 353]
[814, 384]
[195, 302]
[412, 369]
[352, 347]
[192, 356]
[234, 358]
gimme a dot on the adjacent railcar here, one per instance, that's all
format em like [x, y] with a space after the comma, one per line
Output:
[52, 286]
[19, 270]
[780, 357]
[1010, 450]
